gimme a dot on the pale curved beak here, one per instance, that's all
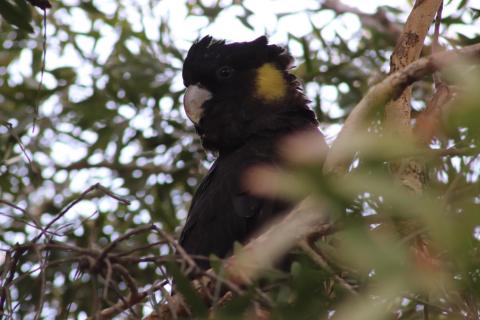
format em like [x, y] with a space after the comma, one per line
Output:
[195, 96]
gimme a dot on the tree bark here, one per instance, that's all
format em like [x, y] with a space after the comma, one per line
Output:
[398, 112]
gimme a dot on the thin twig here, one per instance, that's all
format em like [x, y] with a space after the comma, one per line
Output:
[10, 204]
[229, 284]
[141, 248]
[456, 181]
[455, 152]
[26, 222]
[43, 281]
[11, 273]
[170, 304]
[430, 304]
[112, 195]
[82, 196]
[129, 234]
[83, 164]
[108, 278]
[120, 297]
[42, 71]
[131, 284]
[320, 260]
[48, 265]
[130, 301]
[436, 45]
[186, 257]
[12, 132]
[71, 227]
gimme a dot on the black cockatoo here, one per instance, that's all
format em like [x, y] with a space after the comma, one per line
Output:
[243, 101]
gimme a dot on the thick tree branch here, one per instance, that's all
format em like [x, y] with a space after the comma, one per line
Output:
[398, 111]
[377, 97]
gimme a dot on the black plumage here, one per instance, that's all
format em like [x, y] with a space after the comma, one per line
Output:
[242, 122]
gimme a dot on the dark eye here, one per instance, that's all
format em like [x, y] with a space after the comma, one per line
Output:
[224, 72]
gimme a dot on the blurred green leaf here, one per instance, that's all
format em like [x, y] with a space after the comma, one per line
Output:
[17, 13]
[185, 288]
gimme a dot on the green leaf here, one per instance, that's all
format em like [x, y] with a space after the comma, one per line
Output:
[67, 74]
[17, 14]
[462, 4]
[475, 13]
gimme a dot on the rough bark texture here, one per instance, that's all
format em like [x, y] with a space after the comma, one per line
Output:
[398, 112]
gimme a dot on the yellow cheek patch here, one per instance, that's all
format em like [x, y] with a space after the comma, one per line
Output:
[270, 84]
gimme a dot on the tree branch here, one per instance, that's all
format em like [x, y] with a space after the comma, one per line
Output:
[339, 157]
[398, 111]
[128, 167]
